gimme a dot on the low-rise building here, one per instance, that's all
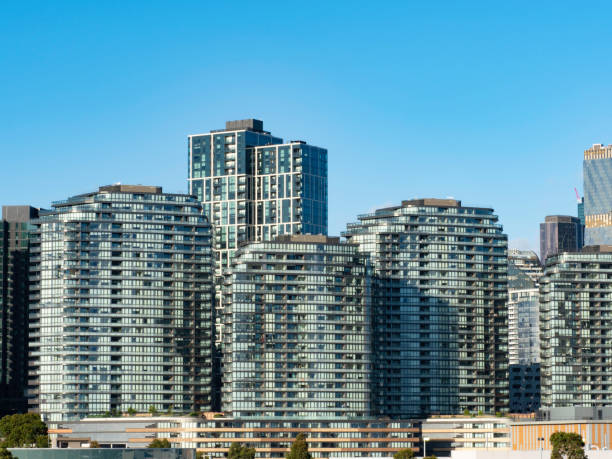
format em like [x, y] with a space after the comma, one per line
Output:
[270, 438]
[443, 435]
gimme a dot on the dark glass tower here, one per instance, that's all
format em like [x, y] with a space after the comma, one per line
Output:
[15, 233]
[439, 307]
[560, 233]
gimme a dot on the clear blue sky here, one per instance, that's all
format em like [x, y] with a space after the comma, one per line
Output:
[492, 103]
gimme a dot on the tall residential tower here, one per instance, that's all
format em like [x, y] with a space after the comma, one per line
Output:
[524, 272]
[121, 304]
[297, 341]
[254, 186]
[576, 325]
[439, 307]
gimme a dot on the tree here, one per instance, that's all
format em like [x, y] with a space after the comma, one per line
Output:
[23, 431]
[152, 410]
[131, 411]
[160, 443]
[405, 453]
[5, 454]
[567, 446]
[431, 457]
[299, 448]
[239, 451]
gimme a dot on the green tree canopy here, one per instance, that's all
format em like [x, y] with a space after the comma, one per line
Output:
[23, 431]
[299, 448]
[160, 443]
[5, 454]
[405, 453]
[567, 446]
[239, 451]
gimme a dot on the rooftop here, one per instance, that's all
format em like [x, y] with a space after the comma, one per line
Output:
[561, 219]
[432, 202]
[118, 188]
[309, 238]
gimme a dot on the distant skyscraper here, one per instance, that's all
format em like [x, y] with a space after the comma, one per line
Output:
[297, 341]
[597, 171]
[439, 307]
[15, 231]
[576, 325]
[121, 304]
[559, 233]
[524, 271]
[580, 210]
[255, 187]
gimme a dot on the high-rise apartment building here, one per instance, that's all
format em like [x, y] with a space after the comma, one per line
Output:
[254, 186]
[297, 339]
[560, 233]
[524, 272]
[440, 337]
[523, 262]
[14, 297]
[576, 325]
[121, 304]
[597, 173]
[523, 310]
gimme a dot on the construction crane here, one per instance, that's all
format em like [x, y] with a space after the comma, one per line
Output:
[578, 200]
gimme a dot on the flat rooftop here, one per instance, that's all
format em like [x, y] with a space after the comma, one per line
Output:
[132, 189]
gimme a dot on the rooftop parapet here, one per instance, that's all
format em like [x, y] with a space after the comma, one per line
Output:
[118, 188]
[432, 202]
[598, 151]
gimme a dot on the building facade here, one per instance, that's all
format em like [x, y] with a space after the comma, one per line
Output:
[15, 231]
[575, 324]
[560, 233]
[121, 304]
[297, 340]
[255, 187]
[597, 173]
[524, 272]
[439, 307]
[448, 434]
[214, 435]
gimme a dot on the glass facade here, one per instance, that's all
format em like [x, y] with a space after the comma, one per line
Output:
[597, 171]
[121, 304]
[15, 232]
[560, 233]
[297, 341]
[524, 272]
[575, 329]
[439, 307]
[255, 187]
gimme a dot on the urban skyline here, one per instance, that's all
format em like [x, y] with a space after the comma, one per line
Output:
[417, 102]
